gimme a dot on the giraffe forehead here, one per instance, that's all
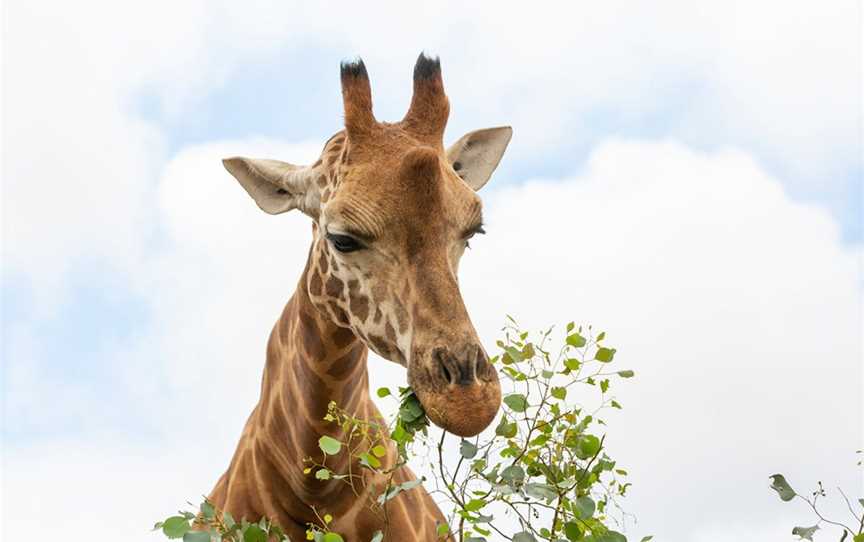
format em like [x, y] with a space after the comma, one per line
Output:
[377, 203]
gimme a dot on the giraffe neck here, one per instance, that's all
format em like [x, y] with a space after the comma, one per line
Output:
[310, 362]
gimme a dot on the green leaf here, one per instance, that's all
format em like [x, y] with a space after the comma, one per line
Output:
[604, 355]
[511, 355]
[333, 537]
[207, 510]
[467, 449]
[572, 531]
[175, 527]
[322, 474]
[513, 473]
[329, 445]
[524, 536]
[782, 487]
[475, 504]
[370, 460]
[588, 447]
[399, 434]
[517, 402]
[604, 385]
[389, 494]
[647, 538]
[196, 536]
[541, 491]
[410, 484]
[411, 409]
[576, 340]
[379, 451]
[584, 507]
[626, 373]
[572, 363]
[383, 392]
[228, 519]
[858, 538]
[806, 533]
[611, 536]
[505, 429]
[559, 392]
[254, 533]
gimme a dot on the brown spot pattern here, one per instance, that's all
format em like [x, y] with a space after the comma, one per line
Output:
[322, 262]
[342, 337]
[391, 333]
[334, 286]
[315, 284]
[346, 364]
[360, 307]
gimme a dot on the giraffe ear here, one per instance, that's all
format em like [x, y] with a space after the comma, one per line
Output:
[476, 155]
[276, 186]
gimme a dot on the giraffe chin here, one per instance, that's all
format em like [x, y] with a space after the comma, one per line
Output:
[464, 411]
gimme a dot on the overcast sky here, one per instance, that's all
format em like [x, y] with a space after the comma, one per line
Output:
[686, 177]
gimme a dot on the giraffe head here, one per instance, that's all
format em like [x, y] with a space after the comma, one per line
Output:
[393, 211]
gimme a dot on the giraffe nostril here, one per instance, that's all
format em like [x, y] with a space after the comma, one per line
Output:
[442, 360]
[482, 366]
[462, 370]
[447, 376]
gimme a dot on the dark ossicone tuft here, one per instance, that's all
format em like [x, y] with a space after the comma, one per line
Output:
[357, 99]
[426, 67]
[353, 69]
[427, 114]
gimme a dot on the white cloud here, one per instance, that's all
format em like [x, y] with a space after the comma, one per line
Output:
[70, 490]
[736, 307]
[80, 163]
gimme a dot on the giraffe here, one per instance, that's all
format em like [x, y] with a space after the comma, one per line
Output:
[392, 212]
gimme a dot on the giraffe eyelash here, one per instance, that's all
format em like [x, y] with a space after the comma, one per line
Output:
[478, 229]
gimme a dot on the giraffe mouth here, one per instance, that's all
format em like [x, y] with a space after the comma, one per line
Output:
[461, 400]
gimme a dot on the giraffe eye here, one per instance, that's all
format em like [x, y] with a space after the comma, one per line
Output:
[344, 243]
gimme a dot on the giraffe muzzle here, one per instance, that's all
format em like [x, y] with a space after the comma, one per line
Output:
[460, 393]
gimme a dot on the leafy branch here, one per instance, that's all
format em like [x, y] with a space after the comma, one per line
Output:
[786, 494]
[545, 465]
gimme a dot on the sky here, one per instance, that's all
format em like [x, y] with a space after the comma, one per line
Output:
[687, 177]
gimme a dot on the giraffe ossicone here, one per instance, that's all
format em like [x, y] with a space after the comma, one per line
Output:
[392, 212]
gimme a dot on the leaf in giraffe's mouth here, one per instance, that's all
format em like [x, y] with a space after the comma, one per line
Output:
[412, 415]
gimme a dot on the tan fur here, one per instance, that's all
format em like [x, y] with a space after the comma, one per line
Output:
[394, 189]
